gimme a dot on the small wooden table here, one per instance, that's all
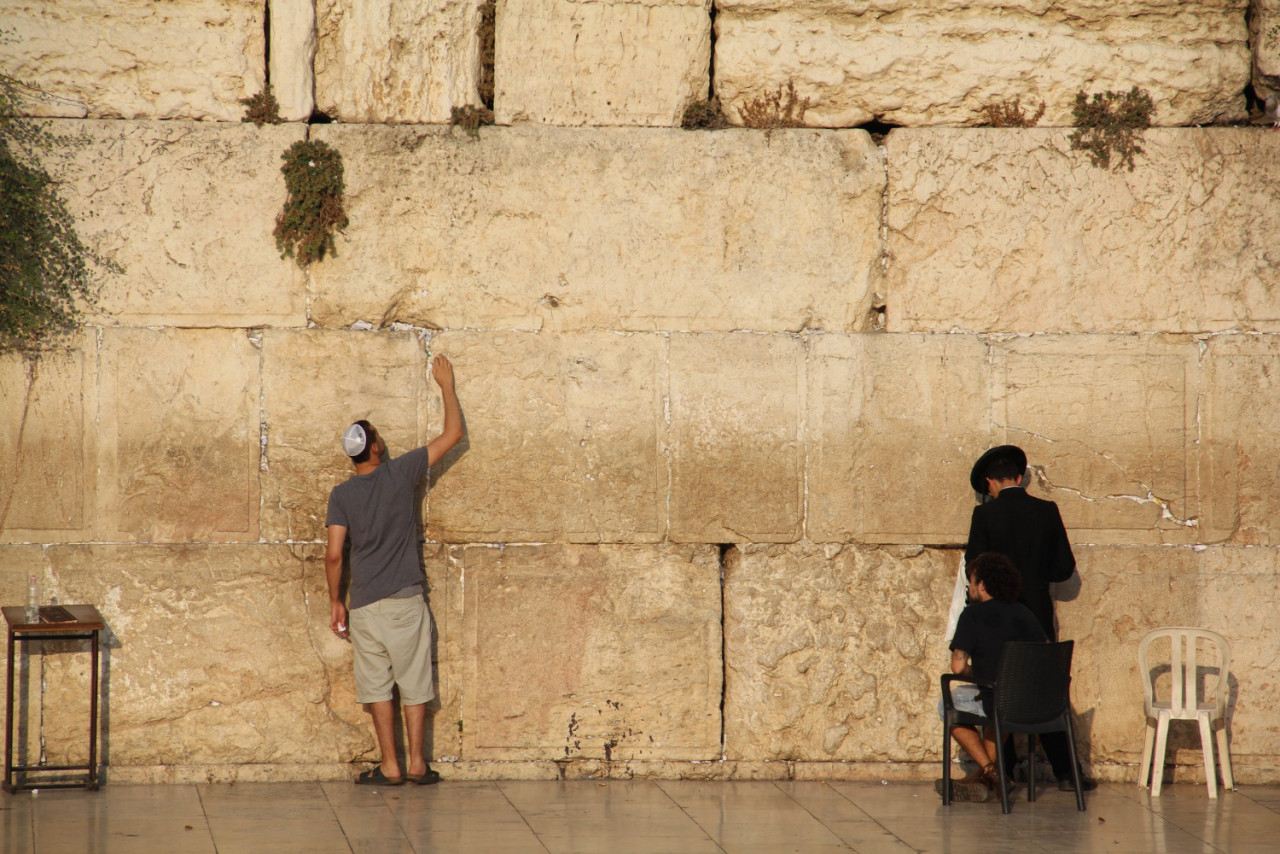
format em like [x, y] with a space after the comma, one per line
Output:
[88, 625]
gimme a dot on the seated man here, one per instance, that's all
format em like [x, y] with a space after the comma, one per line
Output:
[994, 618]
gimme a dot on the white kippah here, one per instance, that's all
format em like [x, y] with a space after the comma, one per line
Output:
[354, 440]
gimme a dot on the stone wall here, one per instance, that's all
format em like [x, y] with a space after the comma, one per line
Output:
[722, 389]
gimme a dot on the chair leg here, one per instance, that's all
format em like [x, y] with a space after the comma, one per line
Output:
[1206, 747]
[1157, 760]
[1075, 761]
[946, 762]
[1031, 767]
[1148, 747]
[1224, 758]
[1001, 777]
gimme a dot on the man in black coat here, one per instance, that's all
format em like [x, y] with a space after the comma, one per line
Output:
[1028, 531]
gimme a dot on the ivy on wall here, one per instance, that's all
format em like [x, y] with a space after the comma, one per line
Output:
[313, 209]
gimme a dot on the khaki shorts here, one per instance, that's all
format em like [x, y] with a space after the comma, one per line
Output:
[392, 643]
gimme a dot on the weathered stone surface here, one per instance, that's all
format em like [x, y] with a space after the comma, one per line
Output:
[136, 59]
[1242, 449]
[1109, 424]
[834, 653]
[565, 439]
[292, 58]
[211, 655]
[914, 64]
[187, 210]
[315, 384]
[178, 431]
[894, 424]
[737, 458]
[1011, 231]
[1126, 592]
[48, 445]
[396, 61]
[565, 229]
[1264, 33]
[619, 62]
[592, 651]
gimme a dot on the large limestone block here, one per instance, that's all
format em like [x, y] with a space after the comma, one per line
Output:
[833, 653]
[179, 435]
[565, 439]
[1264, 32]
[316, 383]
[136, 59]
[1127, 592]
[187, 210]
[1011, 231]
[292, 58]
[618, 62]
[597, 652]
[1242, 458]
[1110, 427]
[48, 444]
[737, 457]
[894, 424]
[396, 61]
[532, 228]
[211, 656]
[917, 64]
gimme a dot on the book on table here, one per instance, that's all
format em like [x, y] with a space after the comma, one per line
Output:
[55, 614]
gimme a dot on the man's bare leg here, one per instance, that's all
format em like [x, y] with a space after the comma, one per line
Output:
[384, 728]
[973, 745]
[415, 727]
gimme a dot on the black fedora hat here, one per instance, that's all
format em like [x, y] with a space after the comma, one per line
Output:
[1000, 453]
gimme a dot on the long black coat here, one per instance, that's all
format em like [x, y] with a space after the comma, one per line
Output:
[1028, 531]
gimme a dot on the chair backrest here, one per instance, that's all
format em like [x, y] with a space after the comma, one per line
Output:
[1033, 685]
[1187, 668]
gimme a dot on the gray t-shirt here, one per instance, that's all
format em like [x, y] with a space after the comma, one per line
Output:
[379, 513]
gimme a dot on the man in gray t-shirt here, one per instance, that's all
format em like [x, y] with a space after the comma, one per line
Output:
[388, 622]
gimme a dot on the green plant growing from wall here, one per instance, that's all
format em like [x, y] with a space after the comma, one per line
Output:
[704, 114]
[44, 266]
[1110, 124]
[262, 108]
[313, 208]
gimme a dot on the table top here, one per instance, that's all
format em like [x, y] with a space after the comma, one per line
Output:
[87, 620]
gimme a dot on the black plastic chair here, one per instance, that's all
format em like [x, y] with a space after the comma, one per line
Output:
[1031, 694]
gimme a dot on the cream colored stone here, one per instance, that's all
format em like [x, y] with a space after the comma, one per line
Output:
[293, 53]
[1109, 424]
[533, 228]
[603, 652]
[1242, 459]
[834, 653]
[1264, 34]
[48, 444]
[565, 439]
[137, 59]
[1126, 592]
[894, 424]
[178, 431]
[737, 457]
[211, 655]
[187, 210]
[913, 64]
[1011, 231]
[396, 61]
[316, 383]
[619, 62]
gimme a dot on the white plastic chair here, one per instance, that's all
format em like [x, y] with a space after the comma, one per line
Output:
[1199, 693]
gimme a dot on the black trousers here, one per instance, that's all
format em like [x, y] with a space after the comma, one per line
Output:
[1056, 749]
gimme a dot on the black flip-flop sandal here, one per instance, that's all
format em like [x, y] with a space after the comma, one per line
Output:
[432, 776]
[375, 777]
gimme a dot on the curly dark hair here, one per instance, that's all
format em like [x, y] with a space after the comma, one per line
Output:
[998, 575]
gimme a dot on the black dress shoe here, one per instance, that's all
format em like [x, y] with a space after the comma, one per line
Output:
[1087, 784]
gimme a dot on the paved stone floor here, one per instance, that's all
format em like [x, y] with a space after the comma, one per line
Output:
[624, 817]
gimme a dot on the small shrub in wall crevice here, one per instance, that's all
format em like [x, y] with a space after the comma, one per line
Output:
[313, 209]
[262, 108]
[1110, 125]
